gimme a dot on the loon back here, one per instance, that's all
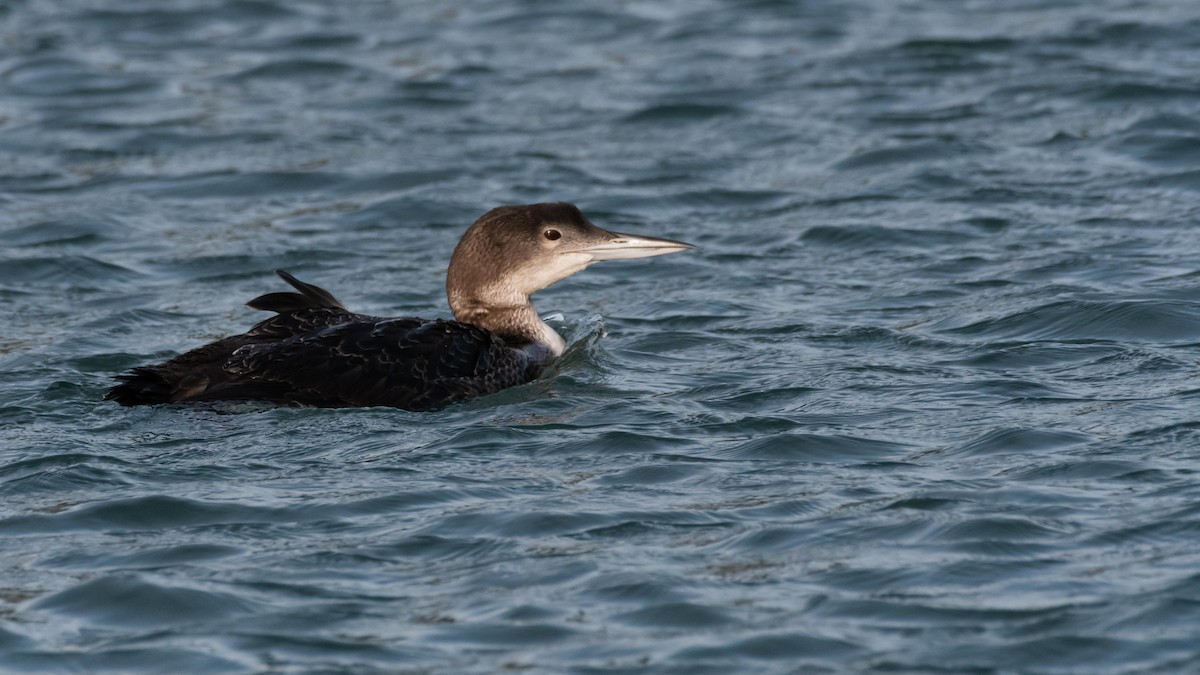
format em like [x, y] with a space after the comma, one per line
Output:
[315, 352]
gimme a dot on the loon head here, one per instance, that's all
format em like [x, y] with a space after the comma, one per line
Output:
[513, 251]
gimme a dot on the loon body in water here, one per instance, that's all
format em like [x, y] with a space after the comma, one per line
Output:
[316, 352]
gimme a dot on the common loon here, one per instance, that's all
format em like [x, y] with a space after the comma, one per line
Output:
[316, 352]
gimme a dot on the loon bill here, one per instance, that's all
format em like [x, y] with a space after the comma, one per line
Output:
[316, 352]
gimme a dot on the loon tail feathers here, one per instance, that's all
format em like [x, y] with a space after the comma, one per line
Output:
[141, 386]
[308, 297]
[201, 373]
[185, 378]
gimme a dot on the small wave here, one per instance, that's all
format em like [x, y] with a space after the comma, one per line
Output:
[796, 648]
[1162, 139]
[879, 237]
[1019, 441]
[676, 615]
[680, 112]
[226, 185]
[924, 153]
[1148, 321]
[301, 69]
[136, 600]
[58, 77]
[1137, 91]
[795, 446]
[63, 271]
[81, 230]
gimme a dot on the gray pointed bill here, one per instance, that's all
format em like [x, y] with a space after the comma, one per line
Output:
[620, 246]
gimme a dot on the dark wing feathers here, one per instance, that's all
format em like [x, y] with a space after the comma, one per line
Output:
[402, 363]
[315, 352]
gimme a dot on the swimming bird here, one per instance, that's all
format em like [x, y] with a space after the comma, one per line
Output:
[315, 352]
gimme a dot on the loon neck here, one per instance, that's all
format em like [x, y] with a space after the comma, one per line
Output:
[518, 324]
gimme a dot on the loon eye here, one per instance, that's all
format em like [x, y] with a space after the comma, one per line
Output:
[553, 235]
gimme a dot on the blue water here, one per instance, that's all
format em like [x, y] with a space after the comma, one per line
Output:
[925, 401]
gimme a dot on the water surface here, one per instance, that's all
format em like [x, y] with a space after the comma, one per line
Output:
[925, 401]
